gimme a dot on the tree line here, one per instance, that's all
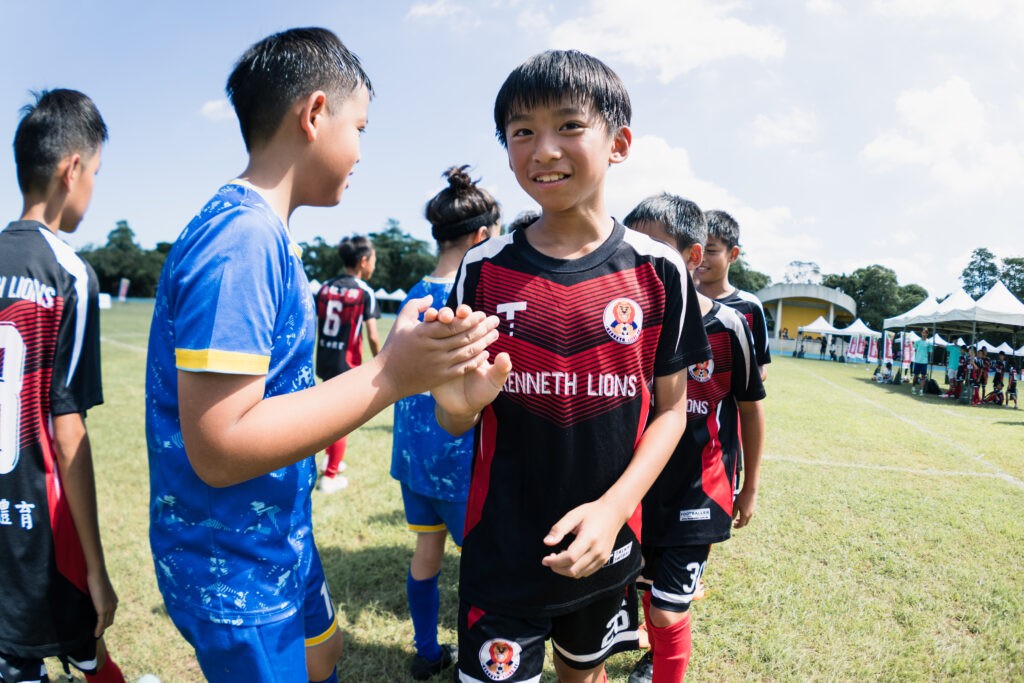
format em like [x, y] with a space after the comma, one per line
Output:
[403, 259]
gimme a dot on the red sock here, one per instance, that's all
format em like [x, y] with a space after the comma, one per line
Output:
[110, 673]
[646, 601]
[335, 453]
[671, 646]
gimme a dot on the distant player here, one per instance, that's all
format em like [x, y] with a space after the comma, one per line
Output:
[343, 305]
[693, 503]
[233, 417]
[433, 466]
[56, 598]
[580, 409]
[712, 280]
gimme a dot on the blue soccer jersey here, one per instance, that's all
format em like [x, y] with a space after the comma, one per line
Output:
[424, 457]
[233, 298]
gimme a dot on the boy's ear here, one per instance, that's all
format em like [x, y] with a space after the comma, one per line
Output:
[313, 108]
[696, 256]
[621, 141]
[71, 171]
[734, 254]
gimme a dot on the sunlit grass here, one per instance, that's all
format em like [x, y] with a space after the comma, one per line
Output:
[888, 543]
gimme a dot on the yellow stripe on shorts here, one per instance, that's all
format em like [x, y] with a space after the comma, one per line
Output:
[316, 640]
[422, 529]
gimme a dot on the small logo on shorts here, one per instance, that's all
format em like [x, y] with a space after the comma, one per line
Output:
[623, 320]
[499, 658]
[695, 515]
[702, 371]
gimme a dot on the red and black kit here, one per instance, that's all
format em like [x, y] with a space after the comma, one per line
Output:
[753, 312]
[49, 365]
[691, 502]
[587, 338]
[342, 304]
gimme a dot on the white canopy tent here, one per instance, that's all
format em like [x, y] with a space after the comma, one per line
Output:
[919, 313]
[819, 326]
[1019, 352]
[858, 329]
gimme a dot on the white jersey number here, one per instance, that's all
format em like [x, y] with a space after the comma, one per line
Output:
[332, 318]
[12, 375]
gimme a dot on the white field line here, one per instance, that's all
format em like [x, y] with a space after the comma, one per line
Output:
[928, 471]
[998, 473]
[133, 347]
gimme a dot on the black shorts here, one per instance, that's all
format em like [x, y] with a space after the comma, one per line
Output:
[495, 647]
[673, 574]
[14, 669]
[920, 369]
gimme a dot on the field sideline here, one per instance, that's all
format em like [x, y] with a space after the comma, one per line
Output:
[888, 542]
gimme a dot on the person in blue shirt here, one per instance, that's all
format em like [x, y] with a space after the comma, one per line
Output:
[922, 356]
[433, 466]
[233, 418]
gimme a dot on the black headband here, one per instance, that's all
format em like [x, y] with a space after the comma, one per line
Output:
[444, 233]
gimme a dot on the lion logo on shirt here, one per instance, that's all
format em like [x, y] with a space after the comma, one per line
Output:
[499, 658]
[701, 372]
[623, 320]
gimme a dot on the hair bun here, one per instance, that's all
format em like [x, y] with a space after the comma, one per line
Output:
[458, 179]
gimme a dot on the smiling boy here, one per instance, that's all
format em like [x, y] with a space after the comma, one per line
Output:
[586, 397]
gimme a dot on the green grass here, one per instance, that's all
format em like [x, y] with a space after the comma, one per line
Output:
[888, 543]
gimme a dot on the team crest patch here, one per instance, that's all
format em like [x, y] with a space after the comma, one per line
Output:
[701, 372]
[499, 658]
[623, 320]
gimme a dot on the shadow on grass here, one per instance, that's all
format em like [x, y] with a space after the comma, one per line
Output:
[384, 428]
[373, 578]
[392, 518]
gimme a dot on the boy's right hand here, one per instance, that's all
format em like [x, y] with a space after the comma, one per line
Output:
[446, 345]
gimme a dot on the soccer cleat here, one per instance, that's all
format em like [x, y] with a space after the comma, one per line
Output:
[422, 669]
[332, 484]
[643, 672]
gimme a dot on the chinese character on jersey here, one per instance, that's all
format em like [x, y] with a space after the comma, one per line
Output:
[26, 513]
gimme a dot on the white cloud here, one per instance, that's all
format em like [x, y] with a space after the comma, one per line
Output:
[948, 131]
[671, 37]
[824, 7]
[794, 127]
[217, 110]
[770, 236]
[458, 16]
[979, 10]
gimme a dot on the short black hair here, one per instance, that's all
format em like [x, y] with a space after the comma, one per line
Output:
[724, 227]
[60, 123]
[524, 220]
[278, 70]
[558, 76]
[352, 250]
[682, 218]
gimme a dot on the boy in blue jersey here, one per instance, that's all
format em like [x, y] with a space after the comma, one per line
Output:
[232, 414]
[433, 466]
[585, 398]
[692, 504]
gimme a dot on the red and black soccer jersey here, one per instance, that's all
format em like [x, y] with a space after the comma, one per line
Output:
[691, 501]
[342, 304]
[49, 365]
[750, 306]
[587, 338]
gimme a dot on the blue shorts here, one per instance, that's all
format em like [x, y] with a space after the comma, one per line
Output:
[425, 514]
[268, 652]
[920, 369]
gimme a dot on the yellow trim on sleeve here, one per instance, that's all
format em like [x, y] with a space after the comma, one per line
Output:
[215, 360]
[425, 529]
[316, 640]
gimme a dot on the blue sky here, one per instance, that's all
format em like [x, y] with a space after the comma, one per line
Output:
[844, 133]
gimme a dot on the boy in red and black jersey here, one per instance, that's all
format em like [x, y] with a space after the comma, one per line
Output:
[712, 280]
[56, 598]
[585, 399]
[693, 502]
[343, 304]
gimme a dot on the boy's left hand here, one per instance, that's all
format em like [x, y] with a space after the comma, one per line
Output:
[595, 526]
[744, 507]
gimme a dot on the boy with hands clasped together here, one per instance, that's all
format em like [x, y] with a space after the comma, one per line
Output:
[585, 396]
[232, 414]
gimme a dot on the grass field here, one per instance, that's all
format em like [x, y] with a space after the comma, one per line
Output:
[888, 543]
